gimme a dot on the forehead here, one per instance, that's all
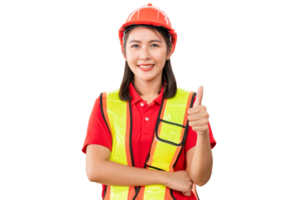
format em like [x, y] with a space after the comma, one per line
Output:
[143, 33]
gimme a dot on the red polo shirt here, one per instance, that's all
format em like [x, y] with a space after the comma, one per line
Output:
[144, 119]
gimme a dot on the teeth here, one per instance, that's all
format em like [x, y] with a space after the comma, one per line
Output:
[145, 66]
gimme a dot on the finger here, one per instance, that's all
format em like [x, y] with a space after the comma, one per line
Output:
[199, 97]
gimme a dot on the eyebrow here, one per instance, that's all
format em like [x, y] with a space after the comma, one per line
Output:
[149, 41]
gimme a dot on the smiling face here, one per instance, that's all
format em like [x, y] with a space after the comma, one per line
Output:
[146, 47]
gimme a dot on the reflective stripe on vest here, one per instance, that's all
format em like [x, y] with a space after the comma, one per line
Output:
[167, 144]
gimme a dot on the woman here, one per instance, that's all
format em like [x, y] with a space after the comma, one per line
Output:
[149, 139]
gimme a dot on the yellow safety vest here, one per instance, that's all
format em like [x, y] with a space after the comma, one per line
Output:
[169, 137]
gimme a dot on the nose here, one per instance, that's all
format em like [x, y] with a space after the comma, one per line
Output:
[145, 54]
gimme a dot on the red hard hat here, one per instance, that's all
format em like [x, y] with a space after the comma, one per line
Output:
[149, 15]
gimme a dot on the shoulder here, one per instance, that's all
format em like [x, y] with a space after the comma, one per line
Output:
[97, 131]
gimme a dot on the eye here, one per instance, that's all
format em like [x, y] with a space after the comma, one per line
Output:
[136, 45]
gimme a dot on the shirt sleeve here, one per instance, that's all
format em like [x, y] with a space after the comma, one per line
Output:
[191, 138]
[97, 131]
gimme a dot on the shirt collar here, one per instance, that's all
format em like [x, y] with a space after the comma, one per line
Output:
[136, 97]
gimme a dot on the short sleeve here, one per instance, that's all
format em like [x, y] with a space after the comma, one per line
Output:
[97, 131]
[191, 138]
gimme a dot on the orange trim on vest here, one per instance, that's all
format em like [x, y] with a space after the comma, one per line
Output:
[131, 191]
[127, 136]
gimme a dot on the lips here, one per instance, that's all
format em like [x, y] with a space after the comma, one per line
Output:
[147, 68]
[145, 64]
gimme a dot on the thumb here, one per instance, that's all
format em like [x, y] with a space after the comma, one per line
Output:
[186, 194]
[199, 97]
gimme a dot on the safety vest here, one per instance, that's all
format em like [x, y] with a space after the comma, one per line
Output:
[169, 137]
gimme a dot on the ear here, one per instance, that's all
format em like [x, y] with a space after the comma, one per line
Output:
[170, 54]
[122, 49]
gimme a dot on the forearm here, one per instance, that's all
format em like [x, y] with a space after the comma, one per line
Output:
[112, 173]
[201, 165]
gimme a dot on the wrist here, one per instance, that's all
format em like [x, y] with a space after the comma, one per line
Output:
[205, 134]
[163, 177]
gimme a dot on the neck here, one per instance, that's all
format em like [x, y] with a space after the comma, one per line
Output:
[149, 89]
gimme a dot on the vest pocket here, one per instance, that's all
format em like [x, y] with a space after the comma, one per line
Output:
[170, 132]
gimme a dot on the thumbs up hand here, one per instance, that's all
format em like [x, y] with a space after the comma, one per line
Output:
[197, 115]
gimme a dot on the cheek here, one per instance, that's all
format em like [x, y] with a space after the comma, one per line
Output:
[131, 59]
[159, 56]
